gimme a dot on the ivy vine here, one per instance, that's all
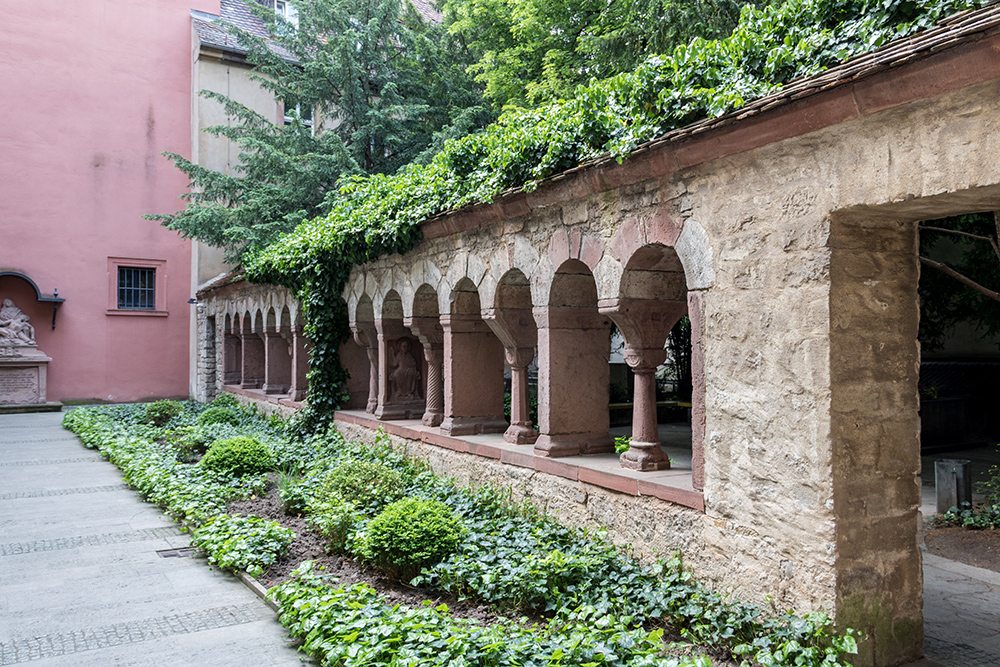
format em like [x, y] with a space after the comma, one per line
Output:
[375, 215]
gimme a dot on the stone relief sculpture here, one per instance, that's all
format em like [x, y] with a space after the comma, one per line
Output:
[405, 376]
[15, 329]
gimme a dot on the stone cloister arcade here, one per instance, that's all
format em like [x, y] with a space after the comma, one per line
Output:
[439, 336]
[788, 233]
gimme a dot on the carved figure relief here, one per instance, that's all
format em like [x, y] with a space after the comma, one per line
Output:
[405, 375]
[15, 330]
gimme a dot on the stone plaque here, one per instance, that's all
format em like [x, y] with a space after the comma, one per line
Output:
[20, 385]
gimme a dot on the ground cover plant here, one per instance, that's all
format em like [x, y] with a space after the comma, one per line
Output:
[571, 597]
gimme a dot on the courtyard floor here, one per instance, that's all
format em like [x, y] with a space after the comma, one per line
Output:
[91, 575]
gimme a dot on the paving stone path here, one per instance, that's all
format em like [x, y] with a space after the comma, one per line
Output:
[83, 577]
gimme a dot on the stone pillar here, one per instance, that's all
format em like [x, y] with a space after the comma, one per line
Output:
[277, 361]
[400, 377]
[366, 336]
[473, 377]
[252, 373]
[874, 361]
[521, 430]
[431, 335]
[299, 388]
[232, 359]
[645, 452]
[574, 348]
[645, 325]
[696, 313]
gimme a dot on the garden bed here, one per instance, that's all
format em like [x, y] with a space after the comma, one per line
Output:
[373, 560]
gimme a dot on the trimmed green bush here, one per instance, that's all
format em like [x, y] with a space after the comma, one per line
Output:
[242, 455]
[160, 412]
[225, 400]
[411, 534]
[368, 485]
[218, 415]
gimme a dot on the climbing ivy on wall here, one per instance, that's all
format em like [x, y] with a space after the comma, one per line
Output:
[377, 215]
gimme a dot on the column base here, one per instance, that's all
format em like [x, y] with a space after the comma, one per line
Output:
[573, 444]
[432, 419]
[252, 384]
[371, 407]
[645, 456]
[407, 410]
[520, 434]
[275, 388]
[473, 425]
[297, 395]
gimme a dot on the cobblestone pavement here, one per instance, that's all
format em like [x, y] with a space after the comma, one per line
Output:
[81, 579]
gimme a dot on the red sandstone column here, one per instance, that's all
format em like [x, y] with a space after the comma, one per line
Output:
[431, 335]
[645, 325]
[473, 377]
[521, 430]
[252, 372]
[645, 452]
[696, 313]
[574, 346]
[277, 362]
[515, 327]
[366, 336]
[300, 365]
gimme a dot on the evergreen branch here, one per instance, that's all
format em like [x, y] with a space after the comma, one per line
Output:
[947, 270]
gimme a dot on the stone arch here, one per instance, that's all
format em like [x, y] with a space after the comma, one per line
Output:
[253, 350]
[400, 361]
[651, 300]
[573, 352]
[511, 319]
[424, 321]
[232, 350]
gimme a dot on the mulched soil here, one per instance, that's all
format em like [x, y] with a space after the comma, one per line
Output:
[980, 548]
[309, 545]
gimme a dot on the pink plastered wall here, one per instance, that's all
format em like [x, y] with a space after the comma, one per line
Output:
[93, 92]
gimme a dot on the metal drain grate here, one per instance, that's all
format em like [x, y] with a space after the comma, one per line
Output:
[182, 552]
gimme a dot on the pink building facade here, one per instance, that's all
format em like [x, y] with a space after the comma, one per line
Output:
[94, 92]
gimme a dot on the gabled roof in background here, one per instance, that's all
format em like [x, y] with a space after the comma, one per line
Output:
[211, 33]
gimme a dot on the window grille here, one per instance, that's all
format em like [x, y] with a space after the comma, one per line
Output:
[136, 288]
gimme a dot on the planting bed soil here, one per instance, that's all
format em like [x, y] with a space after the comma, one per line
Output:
[979, 548]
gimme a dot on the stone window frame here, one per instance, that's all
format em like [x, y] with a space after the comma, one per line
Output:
[159, 266]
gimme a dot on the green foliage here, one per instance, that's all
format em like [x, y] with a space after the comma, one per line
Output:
[351, 627]
[218, 415]
[509, 556]
[375, 215]
[377, 82]
[161, 412]
[368, 485]
[623, 443]
[410, 534]
[531, 51]
[249, 543]
[336, 520]
[945, 302]
[242, 455]
[225, 400]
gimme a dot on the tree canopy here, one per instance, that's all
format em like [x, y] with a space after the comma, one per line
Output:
[533, 51]
[382, 86]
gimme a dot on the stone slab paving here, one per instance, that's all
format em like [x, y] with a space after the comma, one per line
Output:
[81, 582]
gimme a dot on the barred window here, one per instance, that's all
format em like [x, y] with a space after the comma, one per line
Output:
[136, 288]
